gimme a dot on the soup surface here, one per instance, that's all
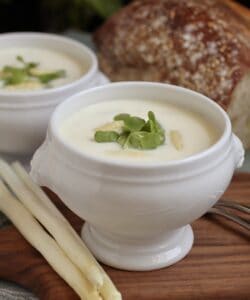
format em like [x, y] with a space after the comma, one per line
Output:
[48, 62]
[195, 133]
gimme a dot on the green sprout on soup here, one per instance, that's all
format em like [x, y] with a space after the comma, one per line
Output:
[134, 133]
[27, 72]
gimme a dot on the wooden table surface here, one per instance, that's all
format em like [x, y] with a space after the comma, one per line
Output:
[218, 266]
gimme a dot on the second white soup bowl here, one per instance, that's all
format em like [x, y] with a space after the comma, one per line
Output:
[138, 215]
[24, 115]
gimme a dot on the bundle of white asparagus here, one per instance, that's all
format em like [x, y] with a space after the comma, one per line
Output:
[27, 206]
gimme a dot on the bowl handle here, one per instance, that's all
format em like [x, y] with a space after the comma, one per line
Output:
[41, 165]
[239, 152]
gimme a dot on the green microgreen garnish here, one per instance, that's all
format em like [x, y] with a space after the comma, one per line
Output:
[121, 117]
[106, 136]
[45, 78]
[10, 75]
[136, 133]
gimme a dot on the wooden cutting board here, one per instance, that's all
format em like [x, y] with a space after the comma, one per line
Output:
[218, 267]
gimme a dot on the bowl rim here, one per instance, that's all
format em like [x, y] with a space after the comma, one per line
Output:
[54, 133]
[25, 95]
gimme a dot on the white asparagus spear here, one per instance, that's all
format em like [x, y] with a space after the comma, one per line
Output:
[54, 225]
[39, 239]
[176, 139]
[108, 289]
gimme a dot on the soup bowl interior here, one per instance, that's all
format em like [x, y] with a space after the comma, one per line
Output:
[74, 50]
[136, 214]
[24, 115]
[183, 98]
[145, 91]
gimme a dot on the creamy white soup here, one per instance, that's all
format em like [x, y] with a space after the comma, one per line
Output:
[52, 69]
[186, 132]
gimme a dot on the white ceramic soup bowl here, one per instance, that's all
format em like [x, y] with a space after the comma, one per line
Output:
[137, 216]
[24, 116]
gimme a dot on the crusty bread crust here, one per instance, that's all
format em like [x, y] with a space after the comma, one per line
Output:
[202, 45]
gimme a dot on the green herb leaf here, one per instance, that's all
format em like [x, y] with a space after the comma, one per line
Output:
[123, 139]
[121, 117]
[13, 75]
[10, 69]
[27, 65]
[10, 75]
[20, 58]
[136, 133]
[106, 136]
[151, 116]
[153, 126]
[145, 140]
[31, 65]
[148, 126]
[47, 77]
[132, 124]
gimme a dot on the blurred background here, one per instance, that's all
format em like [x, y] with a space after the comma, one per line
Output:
[58, 15]
[55, 15]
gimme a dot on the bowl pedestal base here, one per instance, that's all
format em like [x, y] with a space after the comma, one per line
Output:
[138, 255]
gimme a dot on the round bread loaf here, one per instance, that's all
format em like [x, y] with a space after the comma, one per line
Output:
[201, 45]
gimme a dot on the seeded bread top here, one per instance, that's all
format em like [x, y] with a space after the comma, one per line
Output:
[201, 45]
